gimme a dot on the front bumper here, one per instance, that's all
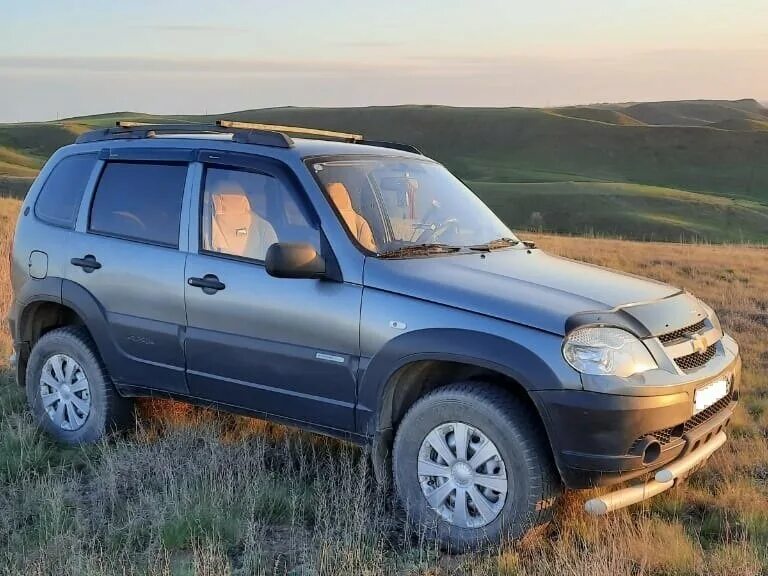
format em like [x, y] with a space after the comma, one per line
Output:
[662, 481]
[598, 439]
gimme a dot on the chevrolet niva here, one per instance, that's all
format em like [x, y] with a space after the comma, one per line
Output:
[357, 289]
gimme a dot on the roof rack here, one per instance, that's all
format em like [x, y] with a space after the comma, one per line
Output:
[243, 132]
[290, 130]
[134, 130]
[353, 138]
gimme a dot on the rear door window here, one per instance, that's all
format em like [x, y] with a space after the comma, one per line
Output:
[140, 201]
[59, 200]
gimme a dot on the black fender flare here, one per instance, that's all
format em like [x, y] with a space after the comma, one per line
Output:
[73, 296]
[94, 317]
[480, 349]
[46, 289]
[32, 292]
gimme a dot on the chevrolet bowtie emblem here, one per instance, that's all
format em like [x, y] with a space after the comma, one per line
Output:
[699, 343]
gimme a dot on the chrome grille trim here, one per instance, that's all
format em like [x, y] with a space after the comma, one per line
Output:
[696, 359]
[682, 333]
[693, 350]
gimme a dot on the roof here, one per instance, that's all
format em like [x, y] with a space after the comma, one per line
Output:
[311, 147]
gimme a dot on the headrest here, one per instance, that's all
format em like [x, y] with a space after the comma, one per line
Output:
[339, 195]
[230, 200]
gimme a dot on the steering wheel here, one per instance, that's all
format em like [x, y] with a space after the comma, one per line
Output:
[435, 231]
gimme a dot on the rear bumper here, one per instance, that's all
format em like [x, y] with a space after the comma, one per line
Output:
[599, 439]
[19, 348]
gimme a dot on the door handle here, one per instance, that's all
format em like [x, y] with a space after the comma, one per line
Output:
[88, 263]
[209, 283]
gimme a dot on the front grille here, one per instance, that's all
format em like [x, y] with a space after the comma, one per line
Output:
[696, 360]
[682, 332]
[668, 435]
[699, 419]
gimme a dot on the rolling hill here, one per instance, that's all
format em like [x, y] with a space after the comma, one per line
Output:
[695, 170]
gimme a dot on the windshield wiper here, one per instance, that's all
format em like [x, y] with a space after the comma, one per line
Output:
[495, 244]
[419, 250]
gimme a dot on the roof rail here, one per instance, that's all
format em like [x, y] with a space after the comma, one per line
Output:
[133, 130]
[290, 130]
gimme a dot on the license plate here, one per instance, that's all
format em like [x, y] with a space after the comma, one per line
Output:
[704, 397]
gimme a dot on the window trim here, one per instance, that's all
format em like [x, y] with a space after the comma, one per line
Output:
[254, 165]
[136, 239]
[73, 223]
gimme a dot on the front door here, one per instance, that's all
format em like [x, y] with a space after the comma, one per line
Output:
[283, 347]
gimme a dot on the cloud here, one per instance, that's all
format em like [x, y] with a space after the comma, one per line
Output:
[367, 44]
[192, 28]
[165, 85]
[178, 66]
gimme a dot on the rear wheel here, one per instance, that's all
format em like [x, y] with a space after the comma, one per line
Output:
[472, 465]
[69, 391]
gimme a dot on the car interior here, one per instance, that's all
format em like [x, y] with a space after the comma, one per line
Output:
[244, 213]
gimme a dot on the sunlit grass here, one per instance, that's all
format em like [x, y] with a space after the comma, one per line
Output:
[195, 491]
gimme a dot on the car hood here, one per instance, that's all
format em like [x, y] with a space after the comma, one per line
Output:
[527, 287]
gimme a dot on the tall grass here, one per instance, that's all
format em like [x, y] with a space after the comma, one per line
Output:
[194, 491]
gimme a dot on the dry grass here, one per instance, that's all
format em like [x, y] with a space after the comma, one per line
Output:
[193, 491]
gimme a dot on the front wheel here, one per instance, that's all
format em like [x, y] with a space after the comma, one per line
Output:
[472, 465]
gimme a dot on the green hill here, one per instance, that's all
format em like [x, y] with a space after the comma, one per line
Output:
[625, 210]
[693, 112]
[533, 160]
[603, 115]
[742, 124]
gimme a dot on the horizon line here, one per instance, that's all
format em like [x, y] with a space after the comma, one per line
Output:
[175, 116]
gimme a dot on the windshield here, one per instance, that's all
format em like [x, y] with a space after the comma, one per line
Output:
[393, 204]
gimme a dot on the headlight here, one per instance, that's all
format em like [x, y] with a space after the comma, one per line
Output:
[604, 350]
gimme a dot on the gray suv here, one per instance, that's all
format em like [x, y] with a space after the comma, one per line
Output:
[357, 289]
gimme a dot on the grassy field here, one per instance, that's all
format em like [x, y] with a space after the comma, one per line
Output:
[710, 157]
[193, 491]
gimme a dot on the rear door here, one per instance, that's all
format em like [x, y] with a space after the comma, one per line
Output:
[125, 254]
[284, 347]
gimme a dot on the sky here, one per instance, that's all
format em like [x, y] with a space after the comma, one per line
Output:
[61, 58]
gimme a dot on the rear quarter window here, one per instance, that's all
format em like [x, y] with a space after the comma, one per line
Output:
[61, 194]
[140, 201]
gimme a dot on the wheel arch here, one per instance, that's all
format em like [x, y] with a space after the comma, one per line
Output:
[400, 374]
[45, 312]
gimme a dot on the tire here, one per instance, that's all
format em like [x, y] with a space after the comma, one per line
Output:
[526, 468]
[69, 356]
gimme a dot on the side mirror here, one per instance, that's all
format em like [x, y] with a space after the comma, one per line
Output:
[290, 260]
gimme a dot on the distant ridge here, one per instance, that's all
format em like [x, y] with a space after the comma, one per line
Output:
[692, 169]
